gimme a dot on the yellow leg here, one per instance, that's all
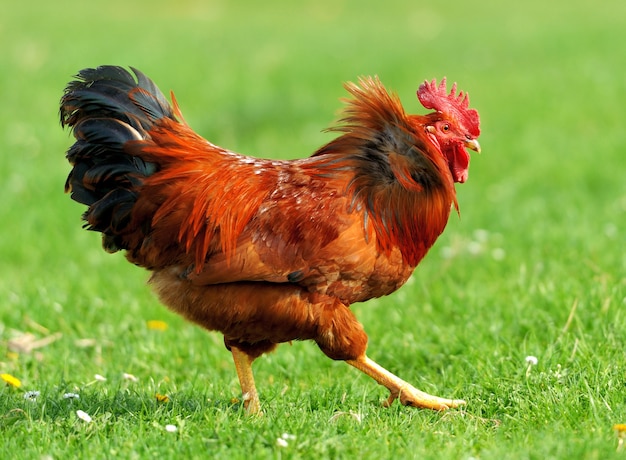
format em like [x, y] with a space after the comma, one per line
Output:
[243, 364]
[407, 393]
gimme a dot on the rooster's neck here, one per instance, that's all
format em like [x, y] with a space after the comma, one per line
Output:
[407, 219]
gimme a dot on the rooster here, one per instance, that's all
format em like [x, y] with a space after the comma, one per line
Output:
[270, 251]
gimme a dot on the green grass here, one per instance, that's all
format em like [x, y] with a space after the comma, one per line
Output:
[535, 266]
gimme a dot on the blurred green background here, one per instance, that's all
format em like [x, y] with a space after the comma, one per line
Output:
[543, 215]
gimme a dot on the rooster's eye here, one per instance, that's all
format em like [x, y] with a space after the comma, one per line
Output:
[446, 127]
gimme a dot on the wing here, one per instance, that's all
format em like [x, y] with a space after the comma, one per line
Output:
[291, 235]
[309, 232]
[289, 231]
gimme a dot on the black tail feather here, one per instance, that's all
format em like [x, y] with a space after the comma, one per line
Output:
[112, 92]
[107, 108]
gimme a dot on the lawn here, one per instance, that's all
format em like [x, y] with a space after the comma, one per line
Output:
[534, 267]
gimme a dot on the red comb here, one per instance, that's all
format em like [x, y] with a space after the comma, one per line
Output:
[436, 97]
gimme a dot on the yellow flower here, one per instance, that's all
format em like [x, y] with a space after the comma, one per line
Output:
[162, 398]
[620, 428]
[10, 380]
[157, 325]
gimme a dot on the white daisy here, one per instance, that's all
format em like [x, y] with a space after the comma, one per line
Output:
[532, 360]
[280, 442]
[31, 395]
[130, 377]
[84, 416]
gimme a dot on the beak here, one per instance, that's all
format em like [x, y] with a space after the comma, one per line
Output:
[473, 145]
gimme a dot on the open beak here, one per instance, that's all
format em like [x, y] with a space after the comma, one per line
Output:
[473, 145]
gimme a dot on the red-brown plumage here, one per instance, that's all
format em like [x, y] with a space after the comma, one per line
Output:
[269, 251]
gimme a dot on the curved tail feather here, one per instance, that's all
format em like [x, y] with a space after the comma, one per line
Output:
[108, 108]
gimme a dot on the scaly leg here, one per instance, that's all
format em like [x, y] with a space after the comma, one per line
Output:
[243, 364]
[408, 394]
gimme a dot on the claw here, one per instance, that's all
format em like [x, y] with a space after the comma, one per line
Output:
[426, 401]
[390, 400]
[399, 389]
